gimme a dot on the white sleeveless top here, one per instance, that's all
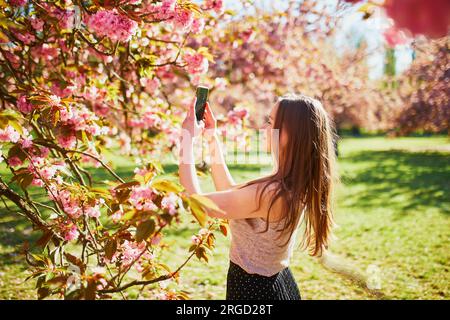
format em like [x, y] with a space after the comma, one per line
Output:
[260, 253]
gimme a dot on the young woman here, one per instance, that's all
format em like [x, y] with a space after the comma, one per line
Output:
[264, 214]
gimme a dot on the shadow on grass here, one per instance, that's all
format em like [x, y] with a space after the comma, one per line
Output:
[400, 179]
[14, 231]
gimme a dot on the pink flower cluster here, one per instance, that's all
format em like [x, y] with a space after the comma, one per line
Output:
[196, 63]
[26, 142]
[12, 58]
[112, 24]
[198, 25]
[26, 38]
[67, 141]
[196, 239]
[141, 197]
[162, 10]
[18, 3]
[134, 251]
[71, 205]
[66, 18]
[70, 231]
[9, 134]
[148, 120]
[14, 161]
[77, 118]
[37, 24]
[23, 105]
[170, 202]
[183, 18]
[151, 85]
[116, 216]
[45, 52]
[47, 171]
[216, 5]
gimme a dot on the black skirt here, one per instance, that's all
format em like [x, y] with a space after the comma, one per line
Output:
[242, 285]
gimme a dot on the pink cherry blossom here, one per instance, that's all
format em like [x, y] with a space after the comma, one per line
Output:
[198, 25]
[116, 216]
[131, 251]
[102, 284]
[37, 182]
[54, 100]
[9, 134]
[23, 105]
[170, 202]
[37, 24]
[14, 161]
[93, 212]
[18, 3]
[12, 58]
[236, 116]
[195, 240]
[68, 142]
[156, 239]
[71, 232]
[216, 5]
[48, 172]
[196, 63]
[183, 18]
[141, 198]
[112, 24]
[141, 171]
[151, 85]
[26, 38]
[45, 52]
[26, 142]
[70, 205]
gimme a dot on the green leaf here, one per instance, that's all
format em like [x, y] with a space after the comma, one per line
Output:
[43, 293]
[201, 254]
[89, 293]
[127, 185]
[128, 215]
[44, 239]
[16, 125]
[9, 114]
[110, 248]
[49, 276]
[197, 211]
[75, 261]
[145, 230]
[224, 229]
[23, 179]
[163, 184]
[206, 202]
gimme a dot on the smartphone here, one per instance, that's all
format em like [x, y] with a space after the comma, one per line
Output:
[202, 97]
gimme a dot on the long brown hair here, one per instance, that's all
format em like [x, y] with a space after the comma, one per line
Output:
[305, 176]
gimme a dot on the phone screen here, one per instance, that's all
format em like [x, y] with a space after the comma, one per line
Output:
[202, 97]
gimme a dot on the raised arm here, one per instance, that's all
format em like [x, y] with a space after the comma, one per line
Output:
[233, 203]
[219, 169]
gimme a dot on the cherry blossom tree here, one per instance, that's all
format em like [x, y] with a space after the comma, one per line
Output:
[78, 78]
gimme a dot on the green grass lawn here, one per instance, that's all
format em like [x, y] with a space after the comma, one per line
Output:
[393, 213]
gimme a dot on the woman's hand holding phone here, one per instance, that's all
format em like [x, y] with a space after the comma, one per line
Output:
[210, 121]
[190, 125]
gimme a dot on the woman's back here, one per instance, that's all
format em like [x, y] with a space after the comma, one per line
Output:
[264, 253]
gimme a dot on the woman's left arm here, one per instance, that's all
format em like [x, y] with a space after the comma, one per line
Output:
[234, 203]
